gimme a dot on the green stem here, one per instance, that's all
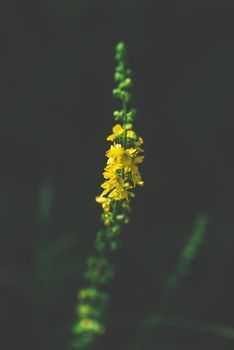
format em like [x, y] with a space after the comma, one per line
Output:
[124, 123]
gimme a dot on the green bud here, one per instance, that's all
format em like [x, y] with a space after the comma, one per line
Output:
[125, 84]
[120, 51]
[87, 293]
[114, 245]
[118, 76]
[128, 126]
[128, 82]
[120, 217]
[118, 115]
[115, 229]
[129, 118]
[120, 47]
[120, 68]
[131, 115]
[116, 92]
[119, 56]
[84, 310]
[133, 112]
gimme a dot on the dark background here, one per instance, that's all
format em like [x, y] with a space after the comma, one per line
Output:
[56, 77]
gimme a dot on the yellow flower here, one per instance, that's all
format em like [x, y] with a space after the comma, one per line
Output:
[138, 143]
[120, 157]
[131, 134]
[136, 176]
[113, 187]
[117, 131]
[126, 158]
[90, 325]
[114, 153]
[105, 202]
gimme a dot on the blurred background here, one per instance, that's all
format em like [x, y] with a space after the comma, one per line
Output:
[56, 78]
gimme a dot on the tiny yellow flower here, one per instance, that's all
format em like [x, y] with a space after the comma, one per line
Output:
[117, 131]
[105, 202]
[114, 152]
[131, 134]
[91, 325]
[138, 143]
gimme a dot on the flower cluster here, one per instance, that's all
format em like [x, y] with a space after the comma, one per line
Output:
[121, 173]
[90, 308]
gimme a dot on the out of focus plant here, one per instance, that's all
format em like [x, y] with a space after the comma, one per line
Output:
[121, 176]
[188, 253]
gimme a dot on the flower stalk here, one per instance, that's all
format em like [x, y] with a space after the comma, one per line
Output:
[121, 176]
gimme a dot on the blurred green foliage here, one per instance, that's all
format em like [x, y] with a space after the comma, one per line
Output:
[187, 254]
